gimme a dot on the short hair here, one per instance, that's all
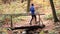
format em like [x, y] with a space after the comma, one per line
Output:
[32, 4]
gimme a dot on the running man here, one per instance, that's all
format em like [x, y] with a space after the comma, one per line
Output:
[32, 10]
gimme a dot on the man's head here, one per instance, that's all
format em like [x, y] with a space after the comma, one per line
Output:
[32, 4]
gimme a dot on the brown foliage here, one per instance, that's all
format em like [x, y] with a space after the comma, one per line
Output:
[7, 1]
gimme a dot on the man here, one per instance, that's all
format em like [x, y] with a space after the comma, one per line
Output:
[32, 10]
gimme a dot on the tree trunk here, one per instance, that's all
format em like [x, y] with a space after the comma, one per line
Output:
[28, 5]
[11, 22]
[53, 11]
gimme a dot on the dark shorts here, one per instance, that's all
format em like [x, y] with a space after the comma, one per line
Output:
[33, 16]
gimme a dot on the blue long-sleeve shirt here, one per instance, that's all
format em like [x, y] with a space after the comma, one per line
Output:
[32, 10]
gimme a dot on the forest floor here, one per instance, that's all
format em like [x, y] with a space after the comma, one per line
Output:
[49, 24]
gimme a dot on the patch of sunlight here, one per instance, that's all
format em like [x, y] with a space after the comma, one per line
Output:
[1, 6]
[3, 30]
[52, 32]
[41, 32]
[1, 17]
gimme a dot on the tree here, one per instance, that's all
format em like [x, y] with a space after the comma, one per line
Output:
[22, 1]
[11, 22]
[28, 5]
[53, 11]
[6, 1]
